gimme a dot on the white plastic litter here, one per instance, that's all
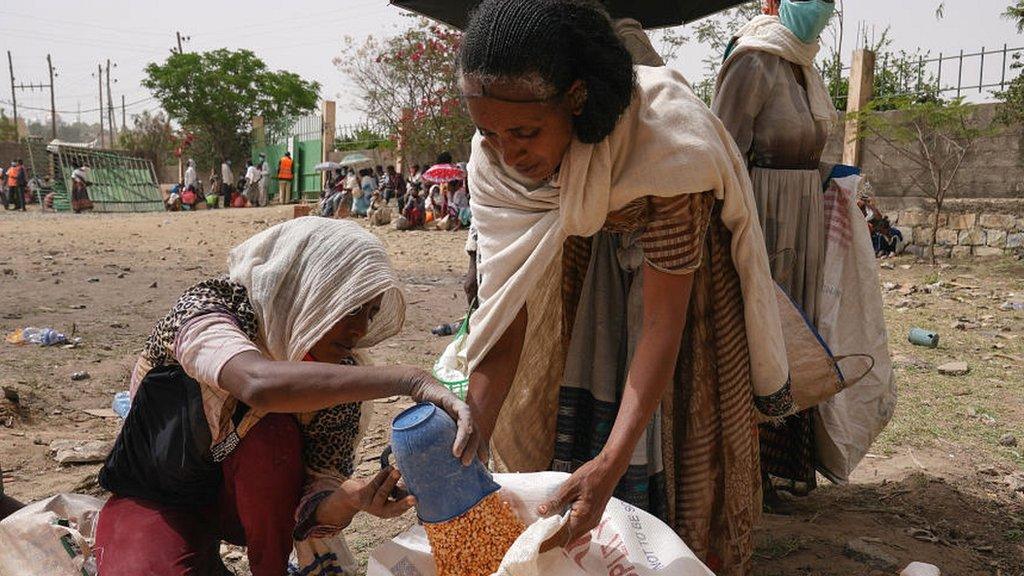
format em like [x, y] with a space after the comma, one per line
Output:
[921, 569]
[52, 537]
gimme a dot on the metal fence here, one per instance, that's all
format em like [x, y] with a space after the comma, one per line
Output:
[118, 182]
[976, 76]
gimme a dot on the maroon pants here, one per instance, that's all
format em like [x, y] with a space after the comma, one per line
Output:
[256, 506]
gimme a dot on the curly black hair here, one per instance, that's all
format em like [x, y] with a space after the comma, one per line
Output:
[558, 41]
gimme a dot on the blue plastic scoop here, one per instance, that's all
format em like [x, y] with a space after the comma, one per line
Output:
[421, 440]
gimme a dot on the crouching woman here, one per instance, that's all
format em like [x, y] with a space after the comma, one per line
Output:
[248, 406]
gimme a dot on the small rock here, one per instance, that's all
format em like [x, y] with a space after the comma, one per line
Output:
[11, 394]
[890, 286]
[121, 275]
[921, 569]
[80, 452]
[869, 554]
[94, 280]
[988, 471]
[954, 369]
[153, 285]
[905, 266]
[1008, 440]
[1015, 482]
[77, 306]
[987, 420]
[80, 376]
[887, 266]
[1011, 305]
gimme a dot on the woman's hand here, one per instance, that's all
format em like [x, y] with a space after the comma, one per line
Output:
[587, 493]
[371, 495]
[468, 444]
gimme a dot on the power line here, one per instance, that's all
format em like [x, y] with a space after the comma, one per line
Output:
[129, 105]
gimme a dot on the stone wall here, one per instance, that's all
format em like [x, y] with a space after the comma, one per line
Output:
[966, 228]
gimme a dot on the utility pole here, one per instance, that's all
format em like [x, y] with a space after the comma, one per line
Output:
[53, 105]
[99, 78]
[179, 42]
[14, 98]
[110, 107]
[124, 121]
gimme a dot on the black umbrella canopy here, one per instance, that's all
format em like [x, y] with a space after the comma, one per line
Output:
[650, 13]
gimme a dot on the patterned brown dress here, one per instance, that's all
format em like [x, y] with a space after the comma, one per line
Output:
[699, 470]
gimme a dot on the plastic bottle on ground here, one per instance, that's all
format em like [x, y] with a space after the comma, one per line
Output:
[122, 403]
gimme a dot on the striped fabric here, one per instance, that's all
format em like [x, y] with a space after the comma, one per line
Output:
[670, 240]
[711, 480]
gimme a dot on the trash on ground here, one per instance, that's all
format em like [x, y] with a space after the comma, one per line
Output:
[40, 336]
[122, 403]
[922, 337]
[921, 569]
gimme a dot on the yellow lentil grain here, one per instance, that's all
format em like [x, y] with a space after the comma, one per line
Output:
[474, 544]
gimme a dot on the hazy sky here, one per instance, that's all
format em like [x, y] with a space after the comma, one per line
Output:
[304, 36]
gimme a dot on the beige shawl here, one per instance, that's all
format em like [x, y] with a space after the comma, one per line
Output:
[667, 143]
[768, 34]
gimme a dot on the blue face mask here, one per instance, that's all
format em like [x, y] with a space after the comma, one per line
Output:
[807, 18]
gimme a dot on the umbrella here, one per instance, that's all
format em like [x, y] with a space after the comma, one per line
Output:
[355, 158]
[327, 166]
[650, 13]
[439, 173]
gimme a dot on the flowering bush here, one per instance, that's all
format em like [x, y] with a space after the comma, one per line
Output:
[408, 84]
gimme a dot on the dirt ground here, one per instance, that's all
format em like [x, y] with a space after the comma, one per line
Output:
[938, 487]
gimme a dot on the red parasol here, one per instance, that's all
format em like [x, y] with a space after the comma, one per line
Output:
[439, 173]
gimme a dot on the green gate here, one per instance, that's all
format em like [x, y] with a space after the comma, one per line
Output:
[118, 182]
[304, 137]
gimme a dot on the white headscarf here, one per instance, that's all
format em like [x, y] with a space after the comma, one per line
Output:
[768, 34]
[306, 274]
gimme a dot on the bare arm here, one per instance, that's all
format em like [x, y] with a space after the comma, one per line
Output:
[666, 298]
[490, 382]
[275, 386]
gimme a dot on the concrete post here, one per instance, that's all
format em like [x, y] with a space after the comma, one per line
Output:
[862, 82]
[327, 139]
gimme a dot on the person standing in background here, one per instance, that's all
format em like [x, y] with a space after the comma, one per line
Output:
[775, 104]
[16, 181]
[284, 178]
[191, 176]
[264, 169]
[227, 178]
[252, 182]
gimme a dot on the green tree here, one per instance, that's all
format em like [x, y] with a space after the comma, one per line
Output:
[1015, 12]
[1012, 110]
[216, 94]
[934, 137]
[151, 137]
[8, 131]
[362, 138]
[407, 84]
